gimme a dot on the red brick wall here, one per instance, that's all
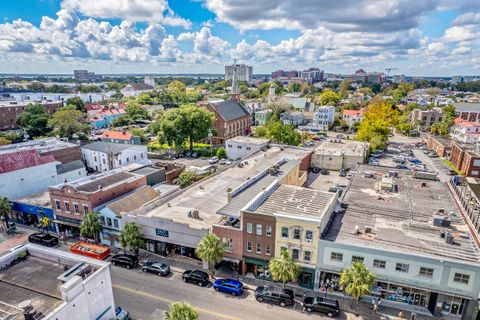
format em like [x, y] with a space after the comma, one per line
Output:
[237, 240]
[10, 114]
[264, 220]
[456, 156]
[306, 162]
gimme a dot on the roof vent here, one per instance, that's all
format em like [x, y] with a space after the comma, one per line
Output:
[195, 214]
[368, 229]
[356, 230]
[169, 205]
[100, 188]
[449, 238]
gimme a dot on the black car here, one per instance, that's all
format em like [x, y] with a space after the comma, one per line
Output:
[196, 276]
[315, 170]
[327, 306]
[45, 239]
[283, 297]
[158, 268]
[125, 260]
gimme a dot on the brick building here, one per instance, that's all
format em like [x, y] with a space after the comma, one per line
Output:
[440, 145]
[11, 110]
[466, 158]
[72, 200]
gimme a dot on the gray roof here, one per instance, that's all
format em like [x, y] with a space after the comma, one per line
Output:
[147, 170]
[466, 106]
[105, 182]
[107, 147]
[230, 110]
[141, 86]
[70, 166]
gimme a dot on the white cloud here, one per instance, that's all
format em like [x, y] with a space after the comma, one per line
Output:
[460, 33]
[467, 18]
[206, 47]
[157, 11]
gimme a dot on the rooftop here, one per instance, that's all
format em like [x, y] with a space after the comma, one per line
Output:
[120, 135]
[466, 106]
[401, 221]
[353, 112]
[133, 200]
[210, 194]
[42, 145]
[16, 103]
[104, 180]
[443, 140]
[70, 166]
[249, 140]
[107, 147]
[40, 199]
[347, 147]
[17, 160]
[229, 109]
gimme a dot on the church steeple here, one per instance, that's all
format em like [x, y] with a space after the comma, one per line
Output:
[235, 92]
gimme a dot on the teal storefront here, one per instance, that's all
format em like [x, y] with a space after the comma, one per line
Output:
[306, 279]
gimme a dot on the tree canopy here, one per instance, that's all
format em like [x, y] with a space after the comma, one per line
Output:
[210, 250]
[329, 97]
[284, 268]
[180, 311]
[5, 209]
[132, 237]
[77, 102]
[68, 121]
[34, 120]
[357, 280]
[279, 133]
[91, 226]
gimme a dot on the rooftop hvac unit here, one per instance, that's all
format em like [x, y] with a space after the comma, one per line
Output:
[441, 210]
[195, 214]
[441, 221]
[368, 229]
[449, 238]
[393, 173]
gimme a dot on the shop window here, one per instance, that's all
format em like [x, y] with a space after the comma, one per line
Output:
[461, 278]
[401, 267]
[249, 246]
[259, 248]
[115, 223]
[259, 229]
[308, 236]
[357, 259]
[379, 263]
[249, 228]
[285, 232]
[307, 256]
[67, 206]
[268, 250]
[58, 206]
[76, 209]
[426, 272]
[295, 254]
[297, 234]
[268, 231]
[336, 256]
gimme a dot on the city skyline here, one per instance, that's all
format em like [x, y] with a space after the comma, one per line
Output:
[427, 38]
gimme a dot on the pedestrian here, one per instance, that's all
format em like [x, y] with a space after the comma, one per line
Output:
[373, 303]
[378, 304]
[326, 288]
[375, 308]
[413, 316]
[400, 315]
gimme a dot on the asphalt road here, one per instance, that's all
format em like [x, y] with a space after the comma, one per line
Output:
[146, 296]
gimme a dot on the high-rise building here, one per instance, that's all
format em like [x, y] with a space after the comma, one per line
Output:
[244, 72]
[150, 80]
[83, 75]
[312, 75]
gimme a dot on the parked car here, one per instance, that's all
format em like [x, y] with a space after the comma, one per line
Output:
[125, 260]
[433, 155]
[335, 189]
[232, 286]
[121, 314]
[350, 175]
[315, 169]
[415, 161]
[328, 306]
[158, 268]
[283, 297]
[196, 276]
[44, 239]
[342, 173]
[213, 160]
[402, 166]
[451, 172]
[324, 172]
[399, 160]
[188, 153]
[223, 161]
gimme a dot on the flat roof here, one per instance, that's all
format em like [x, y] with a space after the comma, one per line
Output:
[110, 147]
[39, 199]
[249, 140]
[42, 145]
[347, 147]
[104, 180]
[401, 221]
[466, 106]
[297, 201]
[210, 194]
[447, 142]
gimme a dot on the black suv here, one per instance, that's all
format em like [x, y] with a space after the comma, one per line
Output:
[125, 260]
[283, 297]
[45, 239]
[158, 268]
[196, 276]
[327, 306]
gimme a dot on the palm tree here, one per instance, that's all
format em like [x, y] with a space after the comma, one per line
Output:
[210, 250]
[180, 311]
[5, 208]
[284, 268]
[91, 226]
[357, 280]
[132, 236]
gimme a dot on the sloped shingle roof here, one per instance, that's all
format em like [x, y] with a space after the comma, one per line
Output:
[107, 147]
[133, 200]
[230, 110]
[14, 161]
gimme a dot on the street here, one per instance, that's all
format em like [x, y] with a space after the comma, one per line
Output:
[146, 296]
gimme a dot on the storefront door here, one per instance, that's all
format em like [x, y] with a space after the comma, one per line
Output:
[305, 280]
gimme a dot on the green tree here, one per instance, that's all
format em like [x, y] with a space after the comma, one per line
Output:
[68, 121]
[34, 120]
[121, 121]
[210, 250]
[221, 153]
[329, 97]
[36, 86]
[345, 88]
[91, 226]
[176, 86]
[132, 237]
[294, 87]
[186, 178]
[357, 280]
[375, 132]
[5, 209]
[136, 112]
[284, 268]
[283, 134]
[180, 311]
[260, 132]
[114, 86]
[78, 103]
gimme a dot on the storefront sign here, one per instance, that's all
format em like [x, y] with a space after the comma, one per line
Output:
[67, 219]
[161, 233]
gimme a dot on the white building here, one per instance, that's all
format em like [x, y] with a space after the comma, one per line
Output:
[352, 116]
[323, 117]
[338, 154]
[244, 72]
[465, 131]
[241, 147]
[104, 156]
[398, 78]
[136, 89]
[72, 287]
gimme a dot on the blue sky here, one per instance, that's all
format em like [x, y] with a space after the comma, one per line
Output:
[427, 37]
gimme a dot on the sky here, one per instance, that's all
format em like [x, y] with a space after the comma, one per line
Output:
[418, 37]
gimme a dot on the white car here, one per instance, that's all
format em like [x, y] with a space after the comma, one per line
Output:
[213, 160]
[223, 161]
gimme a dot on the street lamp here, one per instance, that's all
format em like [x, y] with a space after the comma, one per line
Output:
[210, 141]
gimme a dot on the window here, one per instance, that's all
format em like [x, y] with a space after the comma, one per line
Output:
[248, 148]
[109, 222]
[128, 160]
[379, 263]
[268, 231]
[357, 259]
[295, 254]
[297, 234]
[67, 206]
[58, 206]
[268, 250]
[228, 244]
[249, 228]
[95, 159]
[120, 162]
[335, 256]
[102, 218]
[259, 248]
[426, 272]
[115, 223]
[308, 236]
[249, 246]
[239, 147]
[141, 155]
[76, 209]
[401, 267]
[104, 162]
[229, 145]
[307, 255]
[85, 209]
[285, 232]
[134, 158]
[259, 229]
[461, 278]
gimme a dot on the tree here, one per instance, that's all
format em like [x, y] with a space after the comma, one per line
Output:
[121, 121]
[283, 134]
[375, 132]
[329, 97]
[68, 121]
[345, 88]
[180, 311]
[91, 226]
[284, 268]
[132, 236]
[221, 153]
[136, 112]
[186, 178]
[294, 87]
[260, 132]
[176, 86]
[78, 103]
[5, 209]
[36, 86]
[357, 280]
[34, 120]
[210, 250]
